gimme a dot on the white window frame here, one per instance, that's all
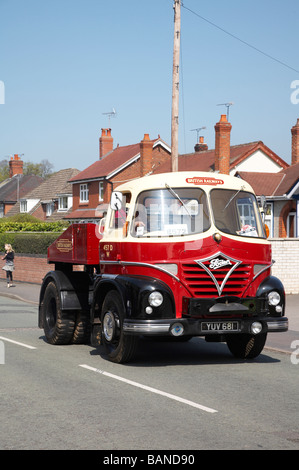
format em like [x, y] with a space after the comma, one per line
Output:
[101, 190]
[23, 206]
[291, 214]
[269, 218]
[49, 208]
[61, 206]
[84, 193]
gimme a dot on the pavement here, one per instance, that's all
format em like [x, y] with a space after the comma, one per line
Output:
[283, 342]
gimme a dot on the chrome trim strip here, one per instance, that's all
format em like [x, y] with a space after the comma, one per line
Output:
[146, 328]
[146, 265]
[260, 272]
[278, 325]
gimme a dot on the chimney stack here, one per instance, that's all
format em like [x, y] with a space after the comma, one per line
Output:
[106, 142]
[15, 166]
[222, 145]
[295, 143]
[146, 155]
[200, 146]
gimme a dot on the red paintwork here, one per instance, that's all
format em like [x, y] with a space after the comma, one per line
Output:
[79, 244]
[185, 253]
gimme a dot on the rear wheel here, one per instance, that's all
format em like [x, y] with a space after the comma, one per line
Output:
[119, 347]
[246, 346]
[58, 324]
[81, 333]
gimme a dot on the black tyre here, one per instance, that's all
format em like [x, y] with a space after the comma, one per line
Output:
[81, 333]
[120, 348]
[246, 346]
[58, 325]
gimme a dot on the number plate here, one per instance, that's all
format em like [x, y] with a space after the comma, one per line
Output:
[219, 326]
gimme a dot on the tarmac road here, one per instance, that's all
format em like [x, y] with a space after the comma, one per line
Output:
[282, 342]
[172, 396]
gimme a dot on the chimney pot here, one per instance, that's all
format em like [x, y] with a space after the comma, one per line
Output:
[15, 166]
[106, 142]
[200, 146]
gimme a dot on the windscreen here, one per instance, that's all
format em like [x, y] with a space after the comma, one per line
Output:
[237, 213]
[170, 212]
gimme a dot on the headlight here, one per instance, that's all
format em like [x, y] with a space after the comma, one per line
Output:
[256, 327]
[273, 298]
[155, 299]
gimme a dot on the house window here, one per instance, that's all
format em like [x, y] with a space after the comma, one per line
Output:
[269, 218]
[246, 211]
[49, 208]
[291, 225]
[101, 190]
[63, 203]
[84, 192]
[2, 210]
[23, 206]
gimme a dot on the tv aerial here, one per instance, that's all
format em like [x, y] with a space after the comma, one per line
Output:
[227, 108]
[110, 114]
[198, 129]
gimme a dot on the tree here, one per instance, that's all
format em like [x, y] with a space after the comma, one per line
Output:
[43, 169]
[4, 170]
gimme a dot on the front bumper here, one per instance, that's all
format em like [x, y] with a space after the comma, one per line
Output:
[198, 327]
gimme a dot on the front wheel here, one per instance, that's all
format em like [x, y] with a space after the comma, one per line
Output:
[119, 347]
[246, 346]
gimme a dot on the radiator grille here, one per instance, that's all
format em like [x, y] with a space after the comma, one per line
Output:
[202, 284]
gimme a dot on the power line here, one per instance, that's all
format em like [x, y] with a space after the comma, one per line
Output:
[239, 39]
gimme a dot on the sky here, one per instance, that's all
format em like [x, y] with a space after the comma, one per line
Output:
[64, 64]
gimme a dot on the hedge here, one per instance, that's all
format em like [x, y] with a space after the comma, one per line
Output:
[33, 226]
[31, 243]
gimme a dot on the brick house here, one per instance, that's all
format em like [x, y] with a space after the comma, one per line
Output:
[51, 200]
[92, 187]
[282, 193]
[228, 159]
[263, 169]
[16, 186]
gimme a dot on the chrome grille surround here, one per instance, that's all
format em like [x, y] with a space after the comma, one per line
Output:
[216, 275]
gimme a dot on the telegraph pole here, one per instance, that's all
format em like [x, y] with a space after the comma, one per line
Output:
[175, 85]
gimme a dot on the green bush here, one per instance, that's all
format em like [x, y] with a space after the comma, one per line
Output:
[10, 226]
[19, 218]
[31, 243]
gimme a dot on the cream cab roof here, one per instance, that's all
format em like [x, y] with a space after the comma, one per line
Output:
[186, 179]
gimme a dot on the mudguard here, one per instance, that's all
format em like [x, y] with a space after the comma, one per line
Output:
[73, 288]
[134, 292]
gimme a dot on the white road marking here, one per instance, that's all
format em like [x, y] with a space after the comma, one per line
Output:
[150, 389]
[16, 342]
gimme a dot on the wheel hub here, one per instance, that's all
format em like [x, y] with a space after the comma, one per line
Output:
[109, 326]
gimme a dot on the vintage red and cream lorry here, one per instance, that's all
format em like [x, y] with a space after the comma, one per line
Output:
[178, 255]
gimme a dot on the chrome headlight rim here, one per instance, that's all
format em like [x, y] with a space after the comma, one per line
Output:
[155, 298]
[274, 298]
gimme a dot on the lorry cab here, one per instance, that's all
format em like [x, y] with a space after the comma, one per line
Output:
[185, 254]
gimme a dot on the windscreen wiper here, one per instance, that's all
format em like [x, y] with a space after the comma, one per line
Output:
[178, 198]
[233, 197]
